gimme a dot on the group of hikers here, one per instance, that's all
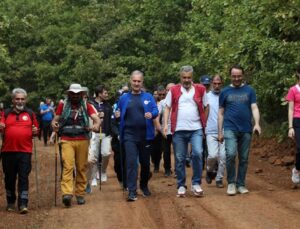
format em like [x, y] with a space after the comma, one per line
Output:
[207, 125]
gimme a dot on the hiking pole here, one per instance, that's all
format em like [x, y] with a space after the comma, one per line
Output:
[55, 161]
[36, 173]
[122, 167]
[100, 157]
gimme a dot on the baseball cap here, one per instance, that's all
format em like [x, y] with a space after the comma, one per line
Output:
[205, 79]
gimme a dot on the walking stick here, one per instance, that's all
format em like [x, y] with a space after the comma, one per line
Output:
[36, 173]
[55, 179]
[100, 157]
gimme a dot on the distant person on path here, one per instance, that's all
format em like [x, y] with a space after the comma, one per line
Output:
[72, 123]
[19, 125]
[167, 140]
[216, 158]
[293, 97]
[185, 102]
[237, 106]
[104, 110]
[137, 110]
[47, 113]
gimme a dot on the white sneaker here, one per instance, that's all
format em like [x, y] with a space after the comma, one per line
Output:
[242, 190]
[231, 190]
[181, 191]
[94, 182]
[295, 176]
[197, 190]
[103, 177]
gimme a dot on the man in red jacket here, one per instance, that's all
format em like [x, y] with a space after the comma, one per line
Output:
[18, 125]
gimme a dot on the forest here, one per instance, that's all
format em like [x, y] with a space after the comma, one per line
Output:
[47, 44]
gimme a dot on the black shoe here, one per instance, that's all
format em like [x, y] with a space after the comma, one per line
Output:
[80, 200]
[187, 164]
[10, 207]
[132, 196]
[168, 173]
[23, 209]
[67, 199]
[219, 184]
[146, 191]
[208, 177]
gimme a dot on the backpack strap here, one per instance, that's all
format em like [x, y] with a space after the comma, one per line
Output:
[27, 110]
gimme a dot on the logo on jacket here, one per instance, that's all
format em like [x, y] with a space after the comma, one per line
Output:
[146, 102]
[25, 118]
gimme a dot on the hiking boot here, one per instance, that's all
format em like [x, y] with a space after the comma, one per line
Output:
[94, 182]
[242, 190]
[231, 189]
[197, 190]
[88, 188]
[181, 191]
[146, 191]
[168, 173]
[103, 177]
[80, 200]
[67, 199]
[219, 184]
[23, 209]
[295, 176]
[132, 196]
[10, 207]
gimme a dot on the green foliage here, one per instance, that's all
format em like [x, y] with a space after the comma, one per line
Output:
[47, 44]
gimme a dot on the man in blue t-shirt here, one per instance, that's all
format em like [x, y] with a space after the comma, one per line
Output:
[47, 113]
[237, 105]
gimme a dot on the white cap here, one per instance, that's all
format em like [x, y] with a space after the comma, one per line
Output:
[75, 87]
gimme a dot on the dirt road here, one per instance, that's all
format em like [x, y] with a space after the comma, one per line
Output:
[272, 203]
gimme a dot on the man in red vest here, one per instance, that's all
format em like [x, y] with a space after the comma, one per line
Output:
[185, 102]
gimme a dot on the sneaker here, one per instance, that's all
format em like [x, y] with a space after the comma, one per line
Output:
[103, 177]
[231, 190]
[242, 190]
[10, 207]
[88, 188]
[197, 190]
[168, 173]
[146, 191]
[295, 176]
[219, 184]
[132, 196]
[80, 200]
[23, 209]
[94, 182]
[181, 191]
[67, 200]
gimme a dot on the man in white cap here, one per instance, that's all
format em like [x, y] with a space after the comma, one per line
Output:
[72, 123]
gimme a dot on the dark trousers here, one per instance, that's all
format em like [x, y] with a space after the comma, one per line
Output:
[156, 150]
[16, 165]
[296, 125]
[137, 151]
[119, 161]
[166, 143]
[46, 130]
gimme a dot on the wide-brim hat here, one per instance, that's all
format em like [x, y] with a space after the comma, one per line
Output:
[75, 88]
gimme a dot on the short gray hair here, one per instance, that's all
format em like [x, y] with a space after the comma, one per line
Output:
[18, 91]
[186, 68]
[137, 72]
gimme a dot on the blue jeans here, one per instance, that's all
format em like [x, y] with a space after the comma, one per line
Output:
[180, 144]
[237, 143]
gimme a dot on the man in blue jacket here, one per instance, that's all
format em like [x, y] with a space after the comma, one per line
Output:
[138, 109]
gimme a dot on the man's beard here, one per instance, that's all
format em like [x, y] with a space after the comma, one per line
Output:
[20, 107]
